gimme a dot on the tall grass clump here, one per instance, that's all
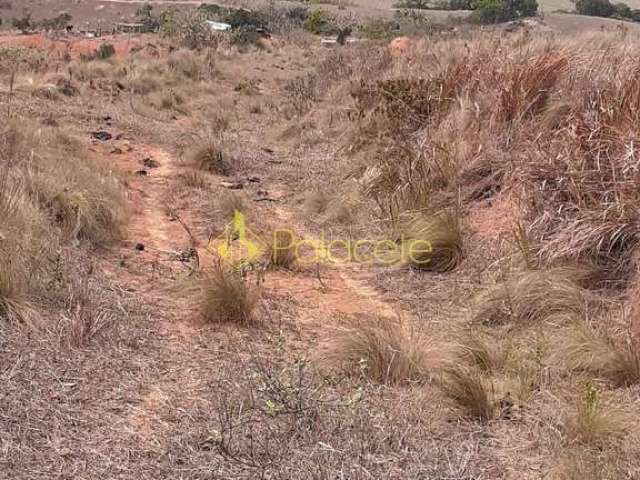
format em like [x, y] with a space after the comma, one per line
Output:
[224, 296]
[592, 351]
[386, 350]
[432, 242]
[532, 297]
[594, 422]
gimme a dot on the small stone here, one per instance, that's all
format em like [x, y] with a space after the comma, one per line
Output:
[140, 247]
[232, 185]
[102, 135]
[142, 173]
[150, 163]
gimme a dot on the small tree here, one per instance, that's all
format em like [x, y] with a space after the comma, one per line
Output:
[56, 23]
[145, 16]
[497, 11]
[24, 24]
[595, 8]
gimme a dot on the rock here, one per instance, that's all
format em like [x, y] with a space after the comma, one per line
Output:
[140, 247]
[102, 135]
[116, 151]
[187, 255]
[142, 173]
[253, 179]
[232, 185]
[150, 163]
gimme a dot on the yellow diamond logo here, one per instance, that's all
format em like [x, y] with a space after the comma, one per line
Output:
[238, 245]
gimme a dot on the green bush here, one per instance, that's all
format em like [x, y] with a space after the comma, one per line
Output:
[318, 22]
[595, 8]
[417, 4]
[25, 24]
[105, 51]
[497, 11]
[378, 29]
[622, 10]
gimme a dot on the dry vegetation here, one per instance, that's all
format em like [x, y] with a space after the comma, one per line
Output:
[498, 170]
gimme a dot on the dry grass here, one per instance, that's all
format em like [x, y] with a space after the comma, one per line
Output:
[471, 390]
[386, 350]
[316, 202]
[224, 297]
[282, 251]
[210, 158]
[195, 179]
[230, 203]
[533, 297]
[594, 422]
[432, 242]
[586, 464]
[51, 192]
[591, 351]
[477, 350]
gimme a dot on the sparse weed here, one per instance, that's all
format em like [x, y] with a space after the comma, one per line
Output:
[593, 422]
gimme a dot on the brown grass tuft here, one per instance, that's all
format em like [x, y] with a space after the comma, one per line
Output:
[282, 250]
[383, 349]
[211, 158]
[225, 297]
[591, 351]
[532, 297]
[432, 242]
[593, 422]
[471, 390]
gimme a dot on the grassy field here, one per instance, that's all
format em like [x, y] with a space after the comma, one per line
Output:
[230, 256]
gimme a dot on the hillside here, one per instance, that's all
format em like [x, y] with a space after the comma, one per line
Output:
[231, 255]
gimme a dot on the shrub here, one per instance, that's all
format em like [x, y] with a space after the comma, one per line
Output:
[595, 8]
[622, 10]
[241, 18]
[497, 11]
[382, 349]
[56, 23]
[105, 51]
[144, 15]
[212, 159]
[318, 22]
[25, 23]
[378, 29]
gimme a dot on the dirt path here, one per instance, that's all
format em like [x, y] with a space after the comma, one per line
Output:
[147, 263]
